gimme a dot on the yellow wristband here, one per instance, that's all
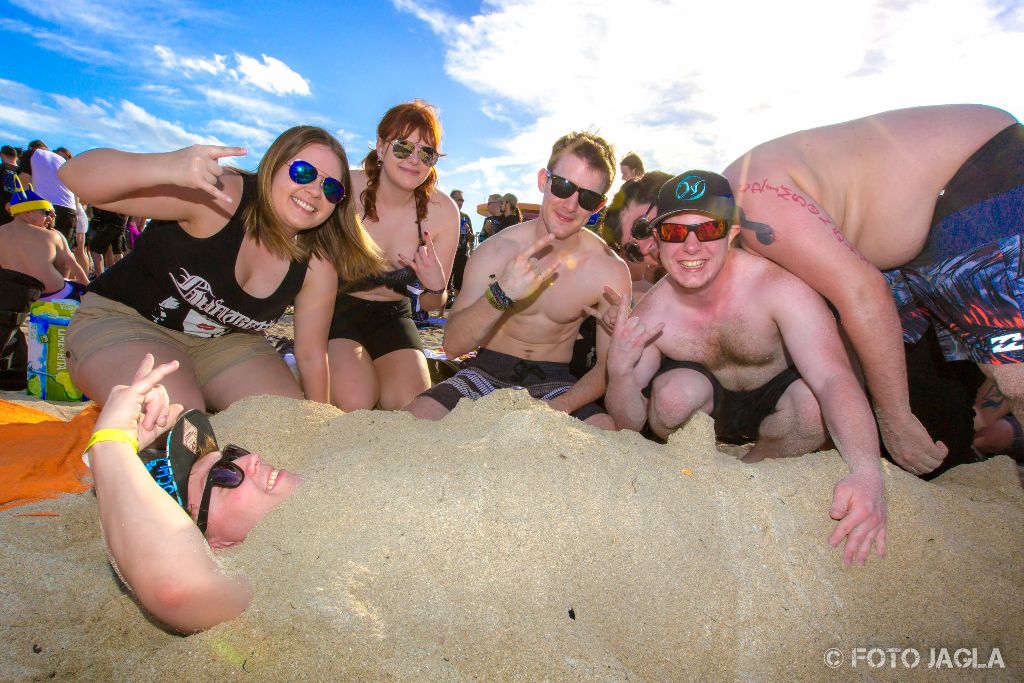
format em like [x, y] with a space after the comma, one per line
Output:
[113, 435]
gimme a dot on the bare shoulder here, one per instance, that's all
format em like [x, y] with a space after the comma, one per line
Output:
[504, 246]
[771, 286]
[443, 210]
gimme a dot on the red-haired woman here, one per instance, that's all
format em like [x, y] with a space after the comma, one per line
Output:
[375, 354]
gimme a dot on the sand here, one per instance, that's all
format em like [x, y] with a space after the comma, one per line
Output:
[512, 542]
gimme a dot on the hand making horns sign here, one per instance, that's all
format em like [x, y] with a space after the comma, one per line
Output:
[523, 275]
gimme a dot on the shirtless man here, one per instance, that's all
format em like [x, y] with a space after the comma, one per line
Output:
[525, 291]
[735, 336]
[160, 550]
[30, 245]
[838, 205]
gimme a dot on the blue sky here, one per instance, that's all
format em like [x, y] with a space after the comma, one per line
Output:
[686, 84]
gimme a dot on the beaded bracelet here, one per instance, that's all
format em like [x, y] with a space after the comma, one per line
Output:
[501, 300]
[492, 301]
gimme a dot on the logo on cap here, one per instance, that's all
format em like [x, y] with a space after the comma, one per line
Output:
[691, 188]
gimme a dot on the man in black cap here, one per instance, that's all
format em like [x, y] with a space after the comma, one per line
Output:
[733, 335]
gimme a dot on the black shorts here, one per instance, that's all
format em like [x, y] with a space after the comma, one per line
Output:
[65, 222]
[491, 370]
[738, 414]
[103, 235]
[379, 326]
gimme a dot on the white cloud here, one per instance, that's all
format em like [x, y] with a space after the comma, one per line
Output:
[255, 110]
[27, 119]
[159, 89]
[690, 85]
[272, 75]
[171, 60]
[240, 134]
[123, 124]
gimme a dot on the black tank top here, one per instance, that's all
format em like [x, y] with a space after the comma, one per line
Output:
[188, 283]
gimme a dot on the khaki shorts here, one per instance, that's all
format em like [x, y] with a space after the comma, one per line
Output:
[100, 323]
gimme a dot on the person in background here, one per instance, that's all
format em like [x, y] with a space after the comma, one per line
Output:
[492, 221]
[462, 252]
[631, 167]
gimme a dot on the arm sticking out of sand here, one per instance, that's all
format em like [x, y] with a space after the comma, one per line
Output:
[154, 545]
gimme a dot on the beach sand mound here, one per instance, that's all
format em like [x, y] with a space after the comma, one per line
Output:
[512, 542]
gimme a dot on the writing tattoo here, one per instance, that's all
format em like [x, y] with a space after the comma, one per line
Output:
[790, 195]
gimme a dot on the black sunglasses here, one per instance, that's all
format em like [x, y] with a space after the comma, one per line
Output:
[631, 250]
[225, 474]
[303, 173]
[403, 149]
[641, 228]
[564, 188]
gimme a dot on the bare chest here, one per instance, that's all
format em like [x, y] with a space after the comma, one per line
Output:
[741, 351]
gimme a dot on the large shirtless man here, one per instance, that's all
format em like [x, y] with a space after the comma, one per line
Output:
[937, 191]
[30, 245]
[525, 291]
[735, 336]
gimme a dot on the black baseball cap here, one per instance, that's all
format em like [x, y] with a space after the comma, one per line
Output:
[188, 440]
[696, 191]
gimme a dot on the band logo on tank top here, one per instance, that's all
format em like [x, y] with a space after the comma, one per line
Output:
[207, 315]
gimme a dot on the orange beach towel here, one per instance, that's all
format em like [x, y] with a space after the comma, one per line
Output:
[41, 456]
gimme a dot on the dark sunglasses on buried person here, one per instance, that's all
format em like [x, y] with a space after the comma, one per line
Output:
[303, 173]
[403, 149]
[564, 188]
[225, 474]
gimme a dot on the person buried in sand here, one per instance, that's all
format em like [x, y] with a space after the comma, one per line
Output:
[733, 335]
[525, 291]
[934, 192]
[228, 252]
[159, 544]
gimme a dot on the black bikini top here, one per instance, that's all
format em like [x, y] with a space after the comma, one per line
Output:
[397, 281]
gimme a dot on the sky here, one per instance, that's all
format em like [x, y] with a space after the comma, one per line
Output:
[686, 84]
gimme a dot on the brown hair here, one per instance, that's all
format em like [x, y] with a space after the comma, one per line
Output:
[593, 149]
[633, 161]
[642, 190]
[341, 239]
[398, 123]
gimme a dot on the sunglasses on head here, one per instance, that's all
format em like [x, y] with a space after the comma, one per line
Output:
[225, 474]
[303, 173]
[564, 188]
[708, 231]
[403, 149]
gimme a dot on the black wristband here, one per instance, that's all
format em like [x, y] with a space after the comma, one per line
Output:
[500, 296]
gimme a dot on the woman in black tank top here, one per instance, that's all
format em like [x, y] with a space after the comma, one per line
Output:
[226, 253]
[376, 358]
